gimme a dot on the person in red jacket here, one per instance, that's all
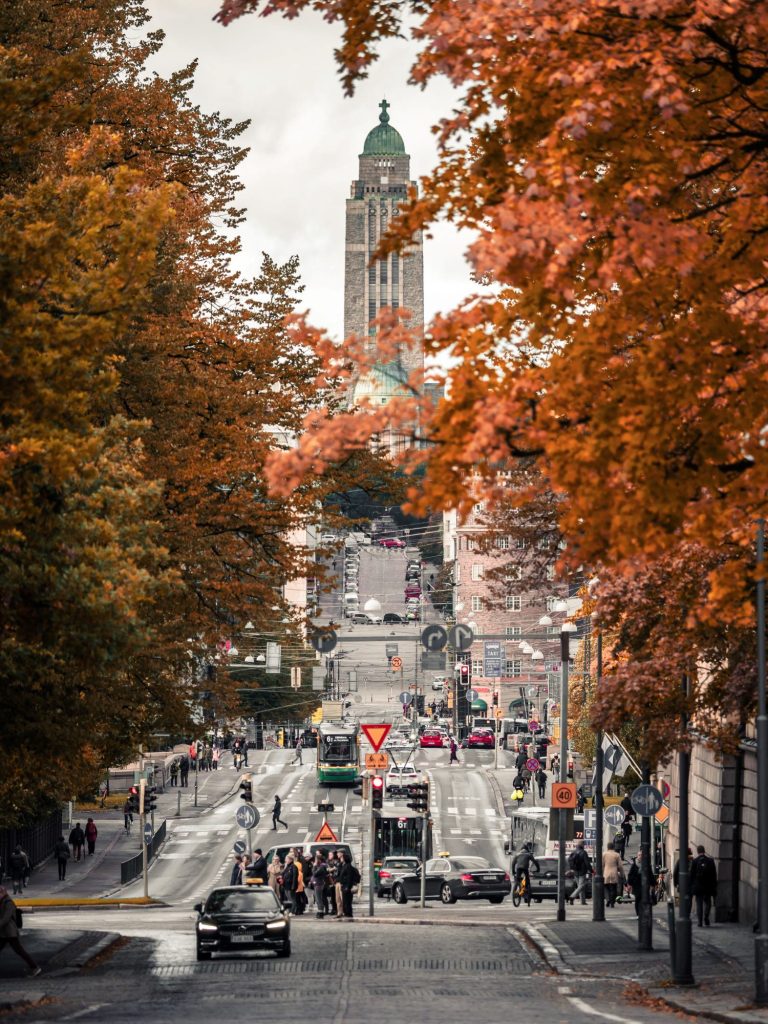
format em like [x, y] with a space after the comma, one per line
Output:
[90, 835]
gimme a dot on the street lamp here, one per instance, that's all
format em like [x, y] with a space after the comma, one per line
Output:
[565, 631]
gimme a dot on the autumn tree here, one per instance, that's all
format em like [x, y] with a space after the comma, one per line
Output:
[610, 159]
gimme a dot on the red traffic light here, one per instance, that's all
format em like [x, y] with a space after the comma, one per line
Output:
[134, 790]
[377, 782]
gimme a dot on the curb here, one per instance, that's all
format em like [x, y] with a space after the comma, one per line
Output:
[96, 904]
[94, 949]
[496, 787]
[732, 1017]
[549, 953]
[21, 1001]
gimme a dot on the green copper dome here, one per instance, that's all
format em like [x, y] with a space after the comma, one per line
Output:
[383, 140]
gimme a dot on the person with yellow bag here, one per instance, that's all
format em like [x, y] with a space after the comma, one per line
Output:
[518, 790]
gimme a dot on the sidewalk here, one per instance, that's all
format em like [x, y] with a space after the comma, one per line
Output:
[99, 875]
[723, 961]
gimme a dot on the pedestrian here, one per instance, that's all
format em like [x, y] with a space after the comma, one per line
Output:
[318, 882]
[291, 882]
[215, 758]
[626, 805]
[330, 884]
[10, 917]
[77, 841]
[541, 782]
[274, 872]
[276, 810]
[618, 843]
[580, 863]
[613, 874]
[580, 800]
[174, 773]
[235, 875]
[454, 751]
[61, 853]
[258, 870]
[525, 775]
[297, 755]
[627, 827]
[244, 868]
[556, 768]
[349, 879]
[522, 869]
[301, 885]
[91, 832]
[703, 884]
[127, 815]
[184, 770]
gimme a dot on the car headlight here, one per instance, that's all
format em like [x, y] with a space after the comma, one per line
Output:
[206, 926]
[275, 926]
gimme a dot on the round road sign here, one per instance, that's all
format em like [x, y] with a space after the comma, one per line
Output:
[532, 764]
[460, 637]
[405, 697]
[614, 815]
[532, 691]
[665, 790]
[247, 816]
[147, 833]
[646, 801]
[396, 663]
[239, 846]
[323, 641]
[434, 638]
[472, 695]
[534, 726]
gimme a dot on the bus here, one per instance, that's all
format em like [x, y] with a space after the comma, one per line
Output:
[338, 752]
[532, 825]
[400, 836]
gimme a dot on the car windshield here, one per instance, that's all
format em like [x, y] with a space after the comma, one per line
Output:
[546, 864]
[241, 901]
[400, 863]
[469, 864]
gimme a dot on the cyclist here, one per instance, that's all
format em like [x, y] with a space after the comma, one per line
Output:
[522, 865]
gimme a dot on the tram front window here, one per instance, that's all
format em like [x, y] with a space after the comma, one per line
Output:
[338, 750]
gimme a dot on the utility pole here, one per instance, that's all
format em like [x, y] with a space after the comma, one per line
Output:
[144, 849]
[598, 881]
[645, 917]
[562, 814]
[683, 937]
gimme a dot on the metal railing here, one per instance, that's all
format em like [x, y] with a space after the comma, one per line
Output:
[36, 840]
[130, 869]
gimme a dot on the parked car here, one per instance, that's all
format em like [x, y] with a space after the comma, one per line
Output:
[398, 779]
[438, 683]
[393, 868]
[366, 618]
[544, 881]
[394, 618]
[482, 738]
[432, 738]
[455, 878]
[391, 542]
[413, 591]
[238, 919]
[412, 614]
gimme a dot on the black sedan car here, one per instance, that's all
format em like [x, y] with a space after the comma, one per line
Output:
[237, 919]
[394, 618]
[544, 881]
[455, 878]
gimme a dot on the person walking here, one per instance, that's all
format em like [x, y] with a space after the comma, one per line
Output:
[618, 843]
[627, 827]
[18, 864]
[91, 832]
[703, 884]
[541, 782]
[613, 874]
[580, 863]
[258, 869]
[274, 871]
[297, 755]
[349, 877]
[9, 931]
[330, 885]
[184, 770]
[174, 773]
[291, 882]
[276, 811]
[127, 816]
[454, 751]
[236, 874]
[215, 758]
[77, 841]
[62, 854]
[318, 882]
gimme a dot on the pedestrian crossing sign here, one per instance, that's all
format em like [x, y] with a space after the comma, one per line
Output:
[326, 834]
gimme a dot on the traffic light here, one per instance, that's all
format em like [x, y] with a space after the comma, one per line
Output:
[247, 787]
[496, 698]
[377, 792]
[419, 797]
[133, 799]
[150, 799]
[464, 673]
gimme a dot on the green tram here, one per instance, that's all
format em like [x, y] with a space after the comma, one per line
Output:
[338, 753]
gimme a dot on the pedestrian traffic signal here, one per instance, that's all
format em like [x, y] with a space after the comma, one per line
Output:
[464, 672]
[247, 787]
[133, 799]
[150, 799]
[419, 797]
[377, 792]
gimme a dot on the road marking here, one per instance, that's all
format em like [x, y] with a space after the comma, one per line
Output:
[455, 831]
[296, 807]
[452, 810]
[490, 812]
[475, 832]
[87, 1009]
[586, 1008]
[564, 991]
[470, 810]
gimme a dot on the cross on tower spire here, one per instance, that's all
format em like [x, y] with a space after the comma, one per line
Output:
[384, 116]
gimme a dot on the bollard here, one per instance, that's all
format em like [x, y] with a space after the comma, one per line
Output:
[672, 934]
[178, 804]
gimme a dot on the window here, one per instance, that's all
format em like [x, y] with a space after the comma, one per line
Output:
[457, 574]
[471, 543]
[502, 542]
[477, 666]
[553, 631]
[514, 602]
[513, 631]
[514, 667]
[477, 572]
[519, 542]
[514, 573]
[479, 508]
[551, 602]
[476, 603]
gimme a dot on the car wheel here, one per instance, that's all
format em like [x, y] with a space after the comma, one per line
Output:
[201, 955]
[285, 950]
[446, 893]
[398, 894]
[495, 899]
[537, 899]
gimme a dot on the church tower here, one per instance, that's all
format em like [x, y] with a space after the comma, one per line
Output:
[398, 281]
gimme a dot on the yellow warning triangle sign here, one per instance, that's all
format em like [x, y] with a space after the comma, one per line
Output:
[326, 834]
[376, 734]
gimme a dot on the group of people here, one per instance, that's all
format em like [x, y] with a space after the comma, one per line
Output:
[331, 880]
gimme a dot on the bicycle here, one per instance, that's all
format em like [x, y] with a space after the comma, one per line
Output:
[520, 892]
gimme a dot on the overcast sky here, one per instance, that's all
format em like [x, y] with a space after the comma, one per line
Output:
[304, 139]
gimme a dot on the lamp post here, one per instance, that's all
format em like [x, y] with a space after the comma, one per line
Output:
[565, 632]
[683, 974]
[598, 880]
